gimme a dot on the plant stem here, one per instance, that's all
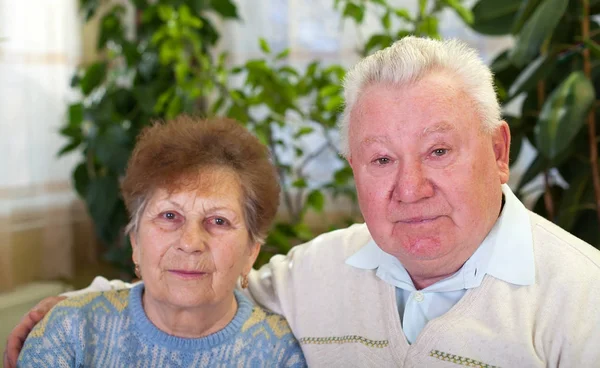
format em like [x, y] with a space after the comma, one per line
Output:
[286, 194]
[548, 200]
[591, 119]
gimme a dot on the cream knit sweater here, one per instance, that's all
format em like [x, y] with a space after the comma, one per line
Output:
[347, 317]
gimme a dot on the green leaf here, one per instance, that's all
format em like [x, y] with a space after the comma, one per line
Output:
[386, 22]
[422, 7]
[175, 107]
[264, 45]
[303, 131]
[300, 183]
[428, 27]
[354, 11]
[303, 232]
[226, 8]
[81, 179]
[532, 74]
[69, 147]
[334, 104]
[493, 17]
[515, 148]
[536, 167]
[594, 47]
[330, 90]
[283, 54]
[88, 8]
[563, 115]
[377, 42]
[111, 27]
[75, 114]
[465, 14]
[536, 30]
[93, 77]
[113, 148]
[403, 13]
[343, 175]
[525, 10]
[570, 203]
[316, 200]
[102, 196]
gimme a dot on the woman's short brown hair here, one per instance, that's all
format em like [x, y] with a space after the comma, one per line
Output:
[167, 154]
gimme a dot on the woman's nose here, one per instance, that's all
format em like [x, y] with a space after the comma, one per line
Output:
[193, 238]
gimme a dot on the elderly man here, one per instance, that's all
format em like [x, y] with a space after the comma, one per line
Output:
[449, 268]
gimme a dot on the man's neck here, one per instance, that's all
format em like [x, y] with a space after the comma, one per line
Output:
[189, 322]
[421, 280]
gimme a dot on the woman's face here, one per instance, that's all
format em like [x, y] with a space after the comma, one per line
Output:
[193, 244]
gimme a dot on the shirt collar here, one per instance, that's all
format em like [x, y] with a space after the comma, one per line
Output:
[506, 253]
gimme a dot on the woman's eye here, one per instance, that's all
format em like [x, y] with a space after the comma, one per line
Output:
[440, 152]
[220, 221]
[170, 215]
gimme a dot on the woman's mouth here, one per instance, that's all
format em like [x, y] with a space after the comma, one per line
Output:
[187, 274]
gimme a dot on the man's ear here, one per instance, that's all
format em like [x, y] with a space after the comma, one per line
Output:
[501, 144]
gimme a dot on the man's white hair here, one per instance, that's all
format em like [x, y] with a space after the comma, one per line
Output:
[410, 59]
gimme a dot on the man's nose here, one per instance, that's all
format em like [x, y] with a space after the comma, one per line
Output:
[412, 183]
[193, 237]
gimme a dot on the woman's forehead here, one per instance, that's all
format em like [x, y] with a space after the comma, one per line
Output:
[217, 187]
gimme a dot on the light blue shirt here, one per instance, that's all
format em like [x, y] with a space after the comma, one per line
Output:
[506, 254]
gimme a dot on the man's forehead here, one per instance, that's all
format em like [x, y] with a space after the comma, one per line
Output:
[435, 128]
[439, 127]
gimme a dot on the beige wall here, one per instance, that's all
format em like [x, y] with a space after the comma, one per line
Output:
[46, 241]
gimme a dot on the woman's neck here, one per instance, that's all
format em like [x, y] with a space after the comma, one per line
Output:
[189, 322]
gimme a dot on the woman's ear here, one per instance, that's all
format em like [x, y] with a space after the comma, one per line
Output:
[254, 251]
[134, 248]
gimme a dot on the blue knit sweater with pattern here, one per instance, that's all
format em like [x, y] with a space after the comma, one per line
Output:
[111, 329]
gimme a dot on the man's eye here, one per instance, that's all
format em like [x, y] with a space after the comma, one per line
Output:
[439, 152]
[382, 161]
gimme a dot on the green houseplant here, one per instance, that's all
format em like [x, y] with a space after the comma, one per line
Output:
[554, 67]
[169, 66]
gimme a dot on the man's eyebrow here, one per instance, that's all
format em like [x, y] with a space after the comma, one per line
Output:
[374, 139]
[441, 127]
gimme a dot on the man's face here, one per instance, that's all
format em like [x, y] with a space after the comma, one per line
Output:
[428, 178]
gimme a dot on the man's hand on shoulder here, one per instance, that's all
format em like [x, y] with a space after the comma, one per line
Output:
[19, 334]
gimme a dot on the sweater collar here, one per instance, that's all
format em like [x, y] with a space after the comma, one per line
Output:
[506, 253]
[148, 331]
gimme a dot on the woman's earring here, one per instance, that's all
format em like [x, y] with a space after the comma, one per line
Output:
[137, 271]
[244, 281]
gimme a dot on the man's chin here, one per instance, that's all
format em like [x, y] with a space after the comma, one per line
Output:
[415, 248]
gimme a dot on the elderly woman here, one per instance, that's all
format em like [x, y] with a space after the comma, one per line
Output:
[202, 195]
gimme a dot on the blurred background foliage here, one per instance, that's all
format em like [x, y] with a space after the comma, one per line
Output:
[167, 63]
[554, 70]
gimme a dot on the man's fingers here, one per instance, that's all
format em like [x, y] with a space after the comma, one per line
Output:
[5, 361]
[45, 305]
[19, 334]
[17, 338]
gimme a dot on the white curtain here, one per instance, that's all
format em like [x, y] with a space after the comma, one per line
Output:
[39, 48]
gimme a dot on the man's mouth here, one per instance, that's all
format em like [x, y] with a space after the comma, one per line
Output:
[418, 220]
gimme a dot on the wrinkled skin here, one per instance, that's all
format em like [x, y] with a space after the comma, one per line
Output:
[428, 177]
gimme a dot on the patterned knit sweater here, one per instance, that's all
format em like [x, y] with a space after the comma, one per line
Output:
[111, 329]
